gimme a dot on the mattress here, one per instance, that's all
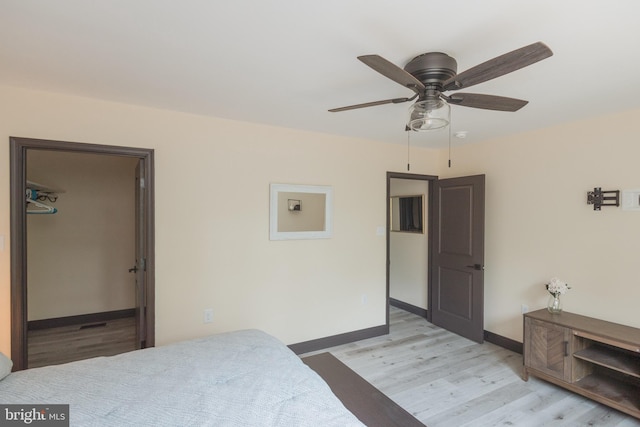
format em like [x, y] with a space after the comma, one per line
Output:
[244, 378]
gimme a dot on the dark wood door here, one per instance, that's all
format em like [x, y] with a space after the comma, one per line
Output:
[457, 282]
[140, 250]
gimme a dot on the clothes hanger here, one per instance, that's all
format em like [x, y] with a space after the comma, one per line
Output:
[32, 200]
[43, 209]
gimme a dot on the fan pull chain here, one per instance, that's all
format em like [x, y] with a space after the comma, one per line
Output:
[408, 150]
[449, 139]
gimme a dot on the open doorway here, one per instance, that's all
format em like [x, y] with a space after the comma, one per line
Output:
[409, 240]
[80, 296]
[71, 269]
[455, 261]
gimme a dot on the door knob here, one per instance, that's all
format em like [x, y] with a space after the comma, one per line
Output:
[134, 269]
[476, 266]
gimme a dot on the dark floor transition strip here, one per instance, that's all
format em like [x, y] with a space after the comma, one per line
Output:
[366, 402]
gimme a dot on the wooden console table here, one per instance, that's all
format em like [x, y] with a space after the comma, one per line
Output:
[597, 359]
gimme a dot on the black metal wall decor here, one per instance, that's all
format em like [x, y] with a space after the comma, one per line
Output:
[599, 198]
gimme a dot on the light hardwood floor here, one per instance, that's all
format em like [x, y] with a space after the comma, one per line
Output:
[445, 380]
[68, 343]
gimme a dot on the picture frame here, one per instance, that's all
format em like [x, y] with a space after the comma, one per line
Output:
[314, 222]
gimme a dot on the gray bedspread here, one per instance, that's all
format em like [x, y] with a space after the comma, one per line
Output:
[245, 378]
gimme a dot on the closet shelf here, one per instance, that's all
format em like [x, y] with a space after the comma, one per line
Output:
[44, 188]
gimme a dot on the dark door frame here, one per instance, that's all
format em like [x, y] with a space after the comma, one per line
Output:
[18, 156]
[431, 179]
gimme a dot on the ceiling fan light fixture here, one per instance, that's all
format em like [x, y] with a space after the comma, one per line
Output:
[430, 114]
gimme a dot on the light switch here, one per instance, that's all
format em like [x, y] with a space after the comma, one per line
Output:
[1, 242]
[631, 200]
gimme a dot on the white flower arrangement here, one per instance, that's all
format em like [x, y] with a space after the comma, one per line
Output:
[557, 287]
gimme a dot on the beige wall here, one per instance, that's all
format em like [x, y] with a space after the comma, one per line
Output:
[78, 258]
[409, 252]
[538, 224]
[209, 255]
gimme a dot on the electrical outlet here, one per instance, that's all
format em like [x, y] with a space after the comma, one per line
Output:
[524, 308]
[208, 315]
[364, 299]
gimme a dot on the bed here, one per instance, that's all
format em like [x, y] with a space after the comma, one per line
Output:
[244, 378]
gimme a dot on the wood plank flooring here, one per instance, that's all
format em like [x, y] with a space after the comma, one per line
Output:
[446, 380]
[54, 346]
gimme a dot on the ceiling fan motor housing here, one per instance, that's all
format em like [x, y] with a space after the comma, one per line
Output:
[432, 68]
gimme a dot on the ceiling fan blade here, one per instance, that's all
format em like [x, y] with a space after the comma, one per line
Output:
[392, 71]
[487, 102]
[372, 104]
[499, 66]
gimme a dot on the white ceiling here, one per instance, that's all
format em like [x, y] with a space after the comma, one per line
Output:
[285, 62]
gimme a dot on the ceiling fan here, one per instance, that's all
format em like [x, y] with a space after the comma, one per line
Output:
[430, 74]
